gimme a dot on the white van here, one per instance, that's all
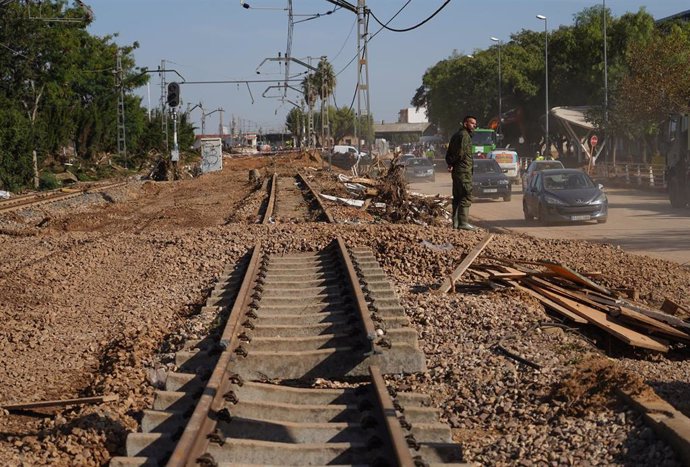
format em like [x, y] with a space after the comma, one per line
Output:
[508, 161]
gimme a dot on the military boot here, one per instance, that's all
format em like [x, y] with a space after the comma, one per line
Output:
[464, 215]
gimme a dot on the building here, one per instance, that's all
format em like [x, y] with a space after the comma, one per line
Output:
[413, 115]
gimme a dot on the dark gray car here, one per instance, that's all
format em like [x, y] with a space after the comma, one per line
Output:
[564, 195]
[489, 181]
[420, 168]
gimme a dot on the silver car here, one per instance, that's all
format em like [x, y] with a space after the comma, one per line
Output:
[564, 195]
[537, 166]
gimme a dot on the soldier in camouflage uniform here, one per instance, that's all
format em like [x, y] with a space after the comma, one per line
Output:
[459, 160]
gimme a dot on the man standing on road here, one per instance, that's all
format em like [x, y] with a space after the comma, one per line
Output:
[459, 160]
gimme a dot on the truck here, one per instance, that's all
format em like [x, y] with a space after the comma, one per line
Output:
[677, 169]
[483, 142]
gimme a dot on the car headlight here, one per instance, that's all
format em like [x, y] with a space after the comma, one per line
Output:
[503, 182]
[552, 200]
[601, 199]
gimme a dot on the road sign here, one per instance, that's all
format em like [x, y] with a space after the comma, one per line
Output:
[593, 140]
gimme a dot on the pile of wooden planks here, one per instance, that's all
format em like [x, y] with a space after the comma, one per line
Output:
[579, 299]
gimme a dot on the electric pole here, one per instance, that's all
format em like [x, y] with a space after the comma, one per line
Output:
[121, 129]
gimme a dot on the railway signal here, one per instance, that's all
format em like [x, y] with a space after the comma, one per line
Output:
[173, 94]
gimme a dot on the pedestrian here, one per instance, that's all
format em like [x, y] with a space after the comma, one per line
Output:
[460, 165]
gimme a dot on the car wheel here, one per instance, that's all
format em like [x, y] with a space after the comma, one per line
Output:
[602, 221]
[507, 197]
[543, 216]
[528, 216]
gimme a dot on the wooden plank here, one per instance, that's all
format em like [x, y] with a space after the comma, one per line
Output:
[60, 403]
[671, 307]
[656, 314]
[575, 276]
[469, 259]
[654, 324]
[568, 293]
[605, 322]
[550, 303]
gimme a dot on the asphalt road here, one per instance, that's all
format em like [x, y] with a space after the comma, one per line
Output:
[640, 222]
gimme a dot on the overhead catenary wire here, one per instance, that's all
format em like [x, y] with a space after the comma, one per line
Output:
[385, 26]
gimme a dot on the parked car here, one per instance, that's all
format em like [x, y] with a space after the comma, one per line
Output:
[536, 166]
[564, 195]
[489, 181]
[418, 168]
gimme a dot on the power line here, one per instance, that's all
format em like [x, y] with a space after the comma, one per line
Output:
[385, 26]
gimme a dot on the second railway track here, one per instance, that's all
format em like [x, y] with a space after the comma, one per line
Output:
[296, 376]
[291, 199]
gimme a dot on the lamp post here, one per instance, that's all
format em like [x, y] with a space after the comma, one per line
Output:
[606, 83]
[499, 127]
[546, 86]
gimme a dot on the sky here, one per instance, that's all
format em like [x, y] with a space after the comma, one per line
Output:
[219, 40]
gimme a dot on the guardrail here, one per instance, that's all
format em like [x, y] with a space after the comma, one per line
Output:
[630, 173]
[645, 175]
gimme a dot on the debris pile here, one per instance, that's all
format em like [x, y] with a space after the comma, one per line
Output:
[387, 198]
[578, 299]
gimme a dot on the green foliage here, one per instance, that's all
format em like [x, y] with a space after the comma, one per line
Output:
[47, 181]
[58, 89]
[647, 76]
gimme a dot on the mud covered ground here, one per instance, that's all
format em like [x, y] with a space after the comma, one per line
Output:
[99, 291]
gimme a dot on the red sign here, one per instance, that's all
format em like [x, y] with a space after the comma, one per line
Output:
[593, 140]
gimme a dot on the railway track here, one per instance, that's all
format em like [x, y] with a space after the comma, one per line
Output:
[292, 199]
[38, 199]
[295, 378]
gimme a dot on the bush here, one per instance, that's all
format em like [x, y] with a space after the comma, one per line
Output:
[47, 181]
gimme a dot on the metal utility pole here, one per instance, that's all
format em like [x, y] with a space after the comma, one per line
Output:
[499, 127]
[164, 100]
[362, 69]
[546, 85]
[121, 129]
[325, 126]
[606, 84]
[363, 97]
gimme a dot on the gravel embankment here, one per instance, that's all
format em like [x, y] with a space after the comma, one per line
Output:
[98, 293]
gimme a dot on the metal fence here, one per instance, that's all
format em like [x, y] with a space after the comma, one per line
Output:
[629, 173]
[647, 175]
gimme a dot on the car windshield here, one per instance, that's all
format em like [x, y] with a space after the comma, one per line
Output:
[543, 165]
[567, 181]
[483, 137]
[487, 166]
[419, 162]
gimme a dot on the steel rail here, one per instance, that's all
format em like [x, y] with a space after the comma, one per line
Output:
[360, 302]
[194, 439]
[270, 206]
[403, 458]
[57, 196]
[316, 196]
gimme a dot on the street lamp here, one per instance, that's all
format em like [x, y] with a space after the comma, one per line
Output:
[499, 127]
[546, 86]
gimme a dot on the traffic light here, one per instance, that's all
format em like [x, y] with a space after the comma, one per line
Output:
[173, 94]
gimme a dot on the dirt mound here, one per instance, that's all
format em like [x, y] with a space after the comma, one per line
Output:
[593, 383]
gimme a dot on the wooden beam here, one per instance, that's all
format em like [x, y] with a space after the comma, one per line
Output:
[605, 322]
[653, 324]
[575, 276]
[471, 256]
[549, 303]
[60, 403]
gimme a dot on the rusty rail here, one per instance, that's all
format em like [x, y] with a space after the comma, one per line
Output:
[38, 199]
[316, 196]
[403, 458]
[360, 302]
[194, 439]
[270, 206]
